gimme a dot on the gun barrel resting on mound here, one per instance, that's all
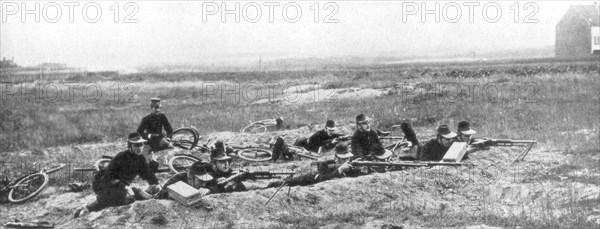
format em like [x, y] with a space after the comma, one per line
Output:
[408, 164]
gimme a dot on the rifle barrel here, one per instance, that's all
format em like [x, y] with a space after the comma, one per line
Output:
[254, 174]
[397, 164]
[513, 141]
[233, 177]
[404, 164]
[391, 137]
[307, 156]
[447, 163]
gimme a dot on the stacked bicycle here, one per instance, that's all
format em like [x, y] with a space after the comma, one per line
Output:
[245, 151]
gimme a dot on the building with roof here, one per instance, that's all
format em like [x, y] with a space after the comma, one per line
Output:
[578, 32]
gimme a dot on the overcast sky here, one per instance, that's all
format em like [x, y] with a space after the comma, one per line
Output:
[184, 32]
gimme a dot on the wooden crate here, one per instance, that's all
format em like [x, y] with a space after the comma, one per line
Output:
[456, 152]
[184, 193]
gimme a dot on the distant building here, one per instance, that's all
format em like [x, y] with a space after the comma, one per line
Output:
[8, 63]
[578, 32]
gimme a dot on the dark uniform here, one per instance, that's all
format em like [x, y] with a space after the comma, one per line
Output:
[109, 184]
[321, 139]
[217, 156]
[433, 151]
[154, 124]
[231, 186]
[280, 149]
[365, 143]
[327, 170]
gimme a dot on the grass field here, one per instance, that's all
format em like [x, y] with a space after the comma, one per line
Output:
[556, 103]
[503, 104]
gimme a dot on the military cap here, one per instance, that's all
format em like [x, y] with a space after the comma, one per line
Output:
[135, 138]
[444, 131]
[341, 151]
[361, 118]
[330, 124]
[464, 128]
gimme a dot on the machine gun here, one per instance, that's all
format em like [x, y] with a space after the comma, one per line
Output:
[508, 142]
[503, 142]
[245, 174]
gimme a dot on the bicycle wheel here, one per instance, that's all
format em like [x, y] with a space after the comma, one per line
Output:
[254, 128]
[28, 188]
[181, 163]
[255, 154]
[185, 138]
[101, 164]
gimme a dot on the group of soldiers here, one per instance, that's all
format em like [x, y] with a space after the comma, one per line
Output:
[112, 185]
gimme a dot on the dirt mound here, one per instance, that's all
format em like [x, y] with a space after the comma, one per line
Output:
[433, 197]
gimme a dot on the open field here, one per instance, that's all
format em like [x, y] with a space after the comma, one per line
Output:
[556, 103]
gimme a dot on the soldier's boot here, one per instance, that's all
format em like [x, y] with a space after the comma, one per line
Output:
[141, 194]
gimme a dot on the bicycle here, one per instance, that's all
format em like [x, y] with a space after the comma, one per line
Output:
[181, 162]
[262, 125]
[26, 187]
[246, 151]
[185, 137]
[252, 152]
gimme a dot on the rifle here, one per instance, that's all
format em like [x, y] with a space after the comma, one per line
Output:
[245, 174]
[306, 155]
[391, 137]
[407, 164]
[43, 224]
[340, 139]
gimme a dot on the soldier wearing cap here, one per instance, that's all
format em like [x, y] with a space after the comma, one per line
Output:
[435, 149]
[221, 147]
[112, 185]
[221, 169]
[465, 134]
[365, 141]
[326, 138]
[152, 125]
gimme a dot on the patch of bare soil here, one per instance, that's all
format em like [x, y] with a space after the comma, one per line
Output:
[312, 93]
